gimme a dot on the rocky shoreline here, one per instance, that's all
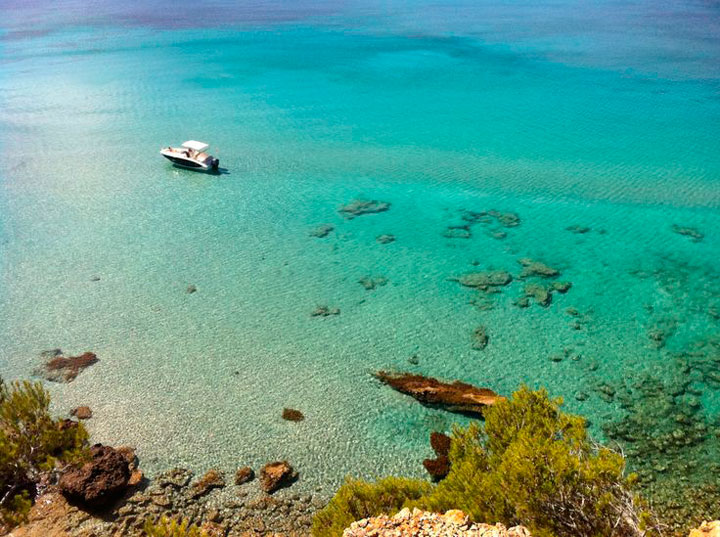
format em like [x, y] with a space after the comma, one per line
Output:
[221, 509]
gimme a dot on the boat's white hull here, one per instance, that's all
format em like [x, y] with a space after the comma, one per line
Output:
[179, 159]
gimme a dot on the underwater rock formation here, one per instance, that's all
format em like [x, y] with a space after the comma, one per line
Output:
[439, 467]
[322, 231]
[480, 338]
[244, 475]
[59, 368]
[485, 280]
[694, 234]
[457, 232]
[372, 282]
[98, 482]
[455, 397]
[385, 238]
[213, 479]
[324, 311]
[421, 523]
[290, 414]
[82, 412]
[275, 475]
[191, 289]
[536, 268]
[578, 229]
[361, 207]
[539, 292]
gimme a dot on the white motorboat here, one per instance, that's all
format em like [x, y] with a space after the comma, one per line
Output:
[192, 155]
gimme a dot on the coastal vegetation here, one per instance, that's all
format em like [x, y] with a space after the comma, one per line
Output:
[531, 464]
[32, 445]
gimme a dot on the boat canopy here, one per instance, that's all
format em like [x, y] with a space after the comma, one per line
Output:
[197, 146]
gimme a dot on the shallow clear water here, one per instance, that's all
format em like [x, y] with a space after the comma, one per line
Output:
[605, 116]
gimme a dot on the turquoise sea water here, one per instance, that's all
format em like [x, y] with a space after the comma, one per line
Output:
[605, 116]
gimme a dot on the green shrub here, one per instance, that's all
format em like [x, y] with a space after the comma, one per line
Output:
[32, 443]
[166, 527]
[535, 465]
[532, 464]
[357, 499]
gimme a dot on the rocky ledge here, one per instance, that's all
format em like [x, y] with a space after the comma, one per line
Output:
[420, 523]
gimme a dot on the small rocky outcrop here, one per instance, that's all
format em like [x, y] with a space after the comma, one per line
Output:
[421, 523]
[213, 479]
[100, 481]
[244, 475]
[485, 280]
[82, 412]
[536, 268]
[324, 311]
[371, 283]
[540, 293]
[458, 232]
[322, 231]
[290, 414]
[439, 467]
[58, 368]
[480, 338]
[361, 207]
[276, 475]
[694, 234]
[456, 396]
[385, 238]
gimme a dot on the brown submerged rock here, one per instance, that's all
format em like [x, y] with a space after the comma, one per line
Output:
[480, 338]
[439, 467]
[275, 475]
[290, 414]
[456, 396]
[244, 475]
[82, 412]
[98, 482]
[213, 479]
[65, 369]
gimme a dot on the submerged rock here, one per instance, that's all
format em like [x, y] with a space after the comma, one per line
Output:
[82, 412]
[457, 232]
[244, 475]
[98, 482]
[480, 338]
[456, 396]
[694, 234]
[439, 467]
[275, 475]
[322, 231]
[372, 282]
[540, 293]
[361, 207]
[486, 280]
[190, 289]
[65, 369]
[578, 229]
[290, 414]
[561, 287]
[385, 238]
[324, 311]
[212, 479]
[536, 268]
